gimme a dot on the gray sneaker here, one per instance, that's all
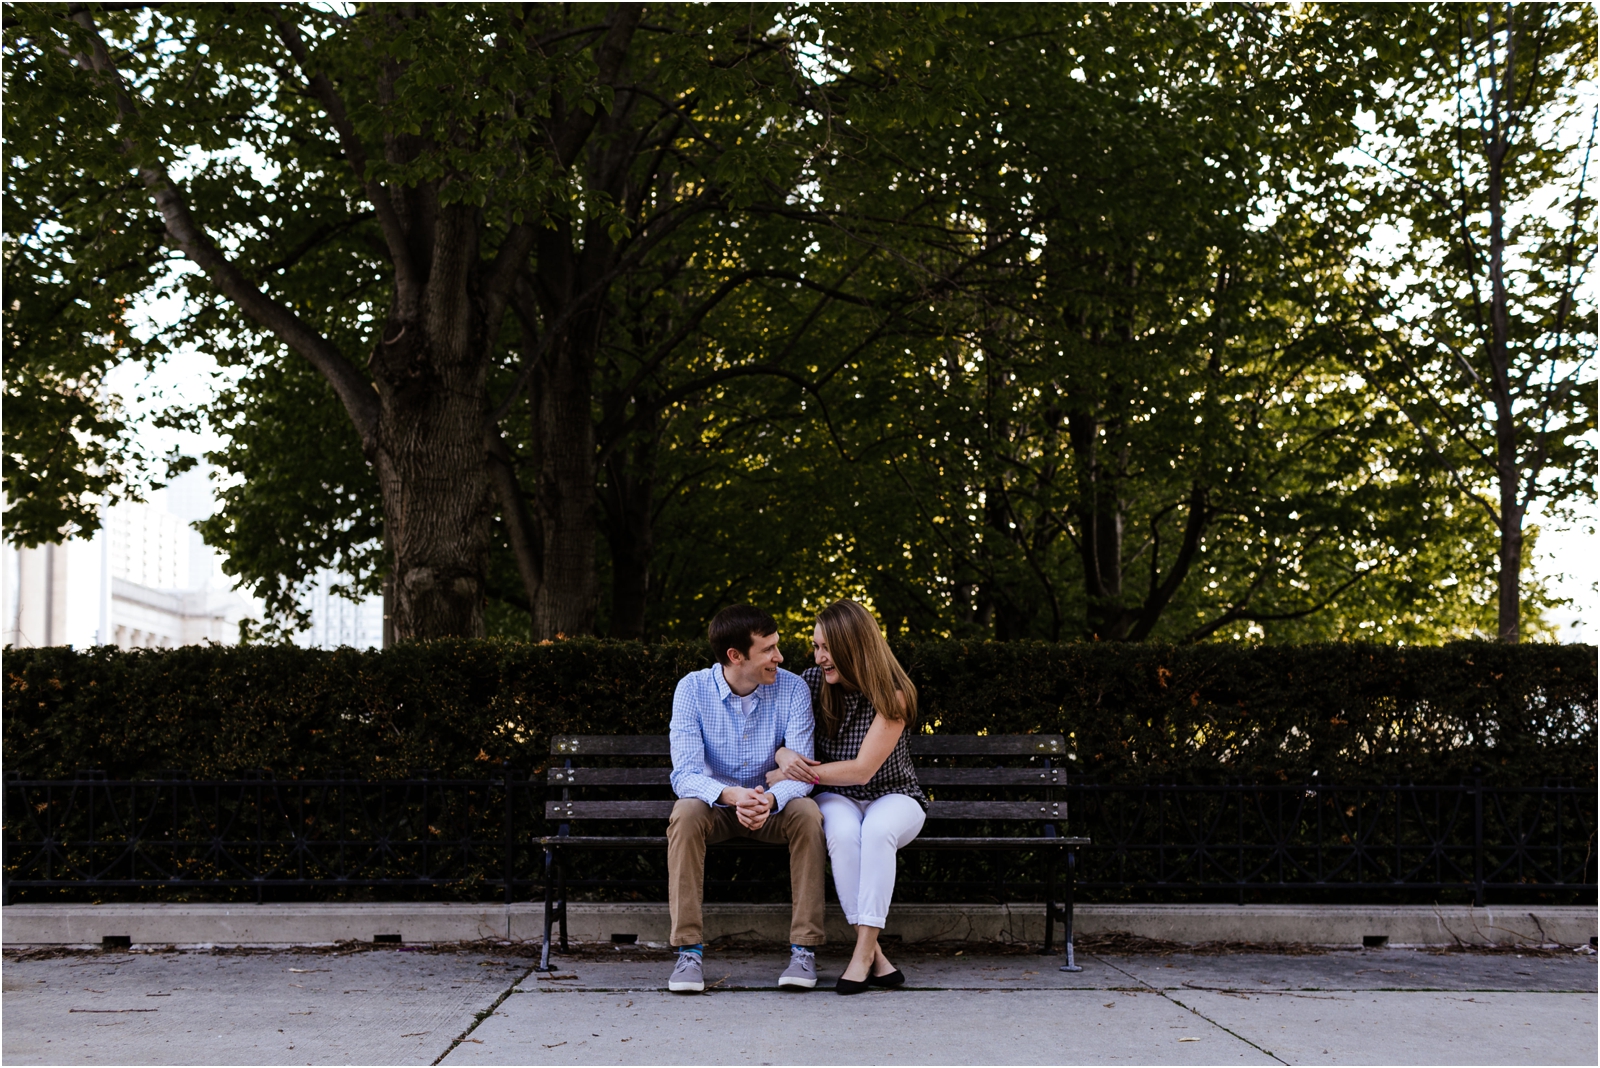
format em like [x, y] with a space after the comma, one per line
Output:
[802, 969]
[689, 977]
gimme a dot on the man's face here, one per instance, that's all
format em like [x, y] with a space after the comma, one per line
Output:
[760, 668]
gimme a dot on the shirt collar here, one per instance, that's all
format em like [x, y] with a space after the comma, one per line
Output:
[724, 691]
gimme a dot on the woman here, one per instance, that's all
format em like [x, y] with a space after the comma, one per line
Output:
[867, 790]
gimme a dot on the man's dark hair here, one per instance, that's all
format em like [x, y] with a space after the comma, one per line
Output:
[737, 627]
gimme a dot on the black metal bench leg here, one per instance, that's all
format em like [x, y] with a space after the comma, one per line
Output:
[1050, 907]
[561, 888]
[1072, 877]
[549, 900]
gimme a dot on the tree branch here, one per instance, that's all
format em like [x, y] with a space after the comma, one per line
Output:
[408, 285]
[354, 391]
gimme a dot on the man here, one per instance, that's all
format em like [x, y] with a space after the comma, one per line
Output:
[728, 722]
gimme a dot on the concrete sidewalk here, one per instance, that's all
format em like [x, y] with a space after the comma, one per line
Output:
[484, 1005]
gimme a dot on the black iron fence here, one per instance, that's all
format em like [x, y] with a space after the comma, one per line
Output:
[269, 836]
[1431, 838]
[471, 838]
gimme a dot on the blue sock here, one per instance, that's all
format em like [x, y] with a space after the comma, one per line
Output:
[698, 949]
[793, 947]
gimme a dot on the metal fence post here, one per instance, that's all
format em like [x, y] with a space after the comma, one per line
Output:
[1477, 836]
[505, 772]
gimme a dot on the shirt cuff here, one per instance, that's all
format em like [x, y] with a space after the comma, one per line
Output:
[788, 790]
[702, 788]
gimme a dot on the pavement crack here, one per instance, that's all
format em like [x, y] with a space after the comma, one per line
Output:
[1257, 993]
[1162, 993]
[485, 1014]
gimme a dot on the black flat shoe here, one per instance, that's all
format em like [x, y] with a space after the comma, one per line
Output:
[890, 979]
[851, 986]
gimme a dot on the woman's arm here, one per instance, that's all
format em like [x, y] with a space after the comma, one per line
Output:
[875, 749]
[792, 765]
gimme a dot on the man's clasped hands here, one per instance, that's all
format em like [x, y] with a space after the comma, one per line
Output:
[752, 806]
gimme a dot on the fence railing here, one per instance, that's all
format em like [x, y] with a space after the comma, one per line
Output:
[478, 836]
[1416, 838]
[268, 834]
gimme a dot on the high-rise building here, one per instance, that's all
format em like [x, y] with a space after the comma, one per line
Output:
[337, 621]
[144, 580]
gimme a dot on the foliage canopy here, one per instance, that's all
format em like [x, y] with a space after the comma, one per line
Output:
[1016, 321]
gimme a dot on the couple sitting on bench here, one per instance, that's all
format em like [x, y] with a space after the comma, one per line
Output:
[743, 765]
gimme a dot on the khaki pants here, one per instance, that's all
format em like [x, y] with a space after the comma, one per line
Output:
[695, 825]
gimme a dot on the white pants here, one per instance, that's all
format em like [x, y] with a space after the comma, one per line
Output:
[863, 837]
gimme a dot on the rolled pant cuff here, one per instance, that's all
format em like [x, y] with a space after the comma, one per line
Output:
[879, 922]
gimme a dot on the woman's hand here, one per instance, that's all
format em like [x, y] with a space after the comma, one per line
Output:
[793, 766]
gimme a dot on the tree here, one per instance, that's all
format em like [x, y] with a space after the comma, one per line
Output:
[1023, 321]
[420, 203]
[1481, 163]
[1133, 412]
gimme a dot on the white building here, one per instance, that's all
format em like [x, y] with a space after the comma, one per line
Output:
[336, 621]
[144, 580]
[148, 580]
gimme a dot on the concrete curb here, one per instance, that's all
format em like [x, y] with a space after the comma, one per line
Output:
[313, 924]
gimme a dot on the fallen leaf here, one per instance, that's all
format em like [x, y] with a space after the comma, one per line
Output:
[1111, 1004]
[556, 978]
[553, 1046]
[414, 1034]
[158, 995]
[1188, 1040]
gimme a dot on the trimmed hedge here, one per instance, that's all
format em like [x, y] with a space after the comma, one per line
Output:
[1133, 713]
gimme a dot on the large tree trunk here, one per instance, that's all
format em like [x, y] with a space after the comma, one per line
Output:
[628, 500]
[562, 409]
[427, 447]
[563, 506]
[1508, 471]
[1100, 524]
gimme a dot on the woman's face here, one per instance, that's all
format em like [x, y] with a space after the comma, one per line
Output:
[819, 652]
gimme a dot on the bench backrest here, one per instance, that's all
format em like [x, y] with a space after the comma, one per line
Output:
[1045, 754]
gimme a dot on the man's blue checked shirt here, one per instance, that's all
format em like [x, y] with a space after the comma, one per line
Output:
[716, 745]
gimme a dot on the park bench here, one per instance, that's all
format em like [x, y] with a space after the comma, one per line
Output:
[1018, 763]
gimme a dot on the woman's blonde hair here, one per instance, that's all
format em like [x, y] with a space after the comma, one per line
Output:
[865, 663]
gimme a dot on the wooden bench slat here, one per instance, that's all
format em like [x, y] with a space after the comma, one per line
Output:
[608, 810]
[927, 776]
[997, 810]
[937, 810]
[999, 842]
[605, 841]
[991, 776]
[577, 745]
[989, 745]
[660, 841]
[610, 776]
[610, 745]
